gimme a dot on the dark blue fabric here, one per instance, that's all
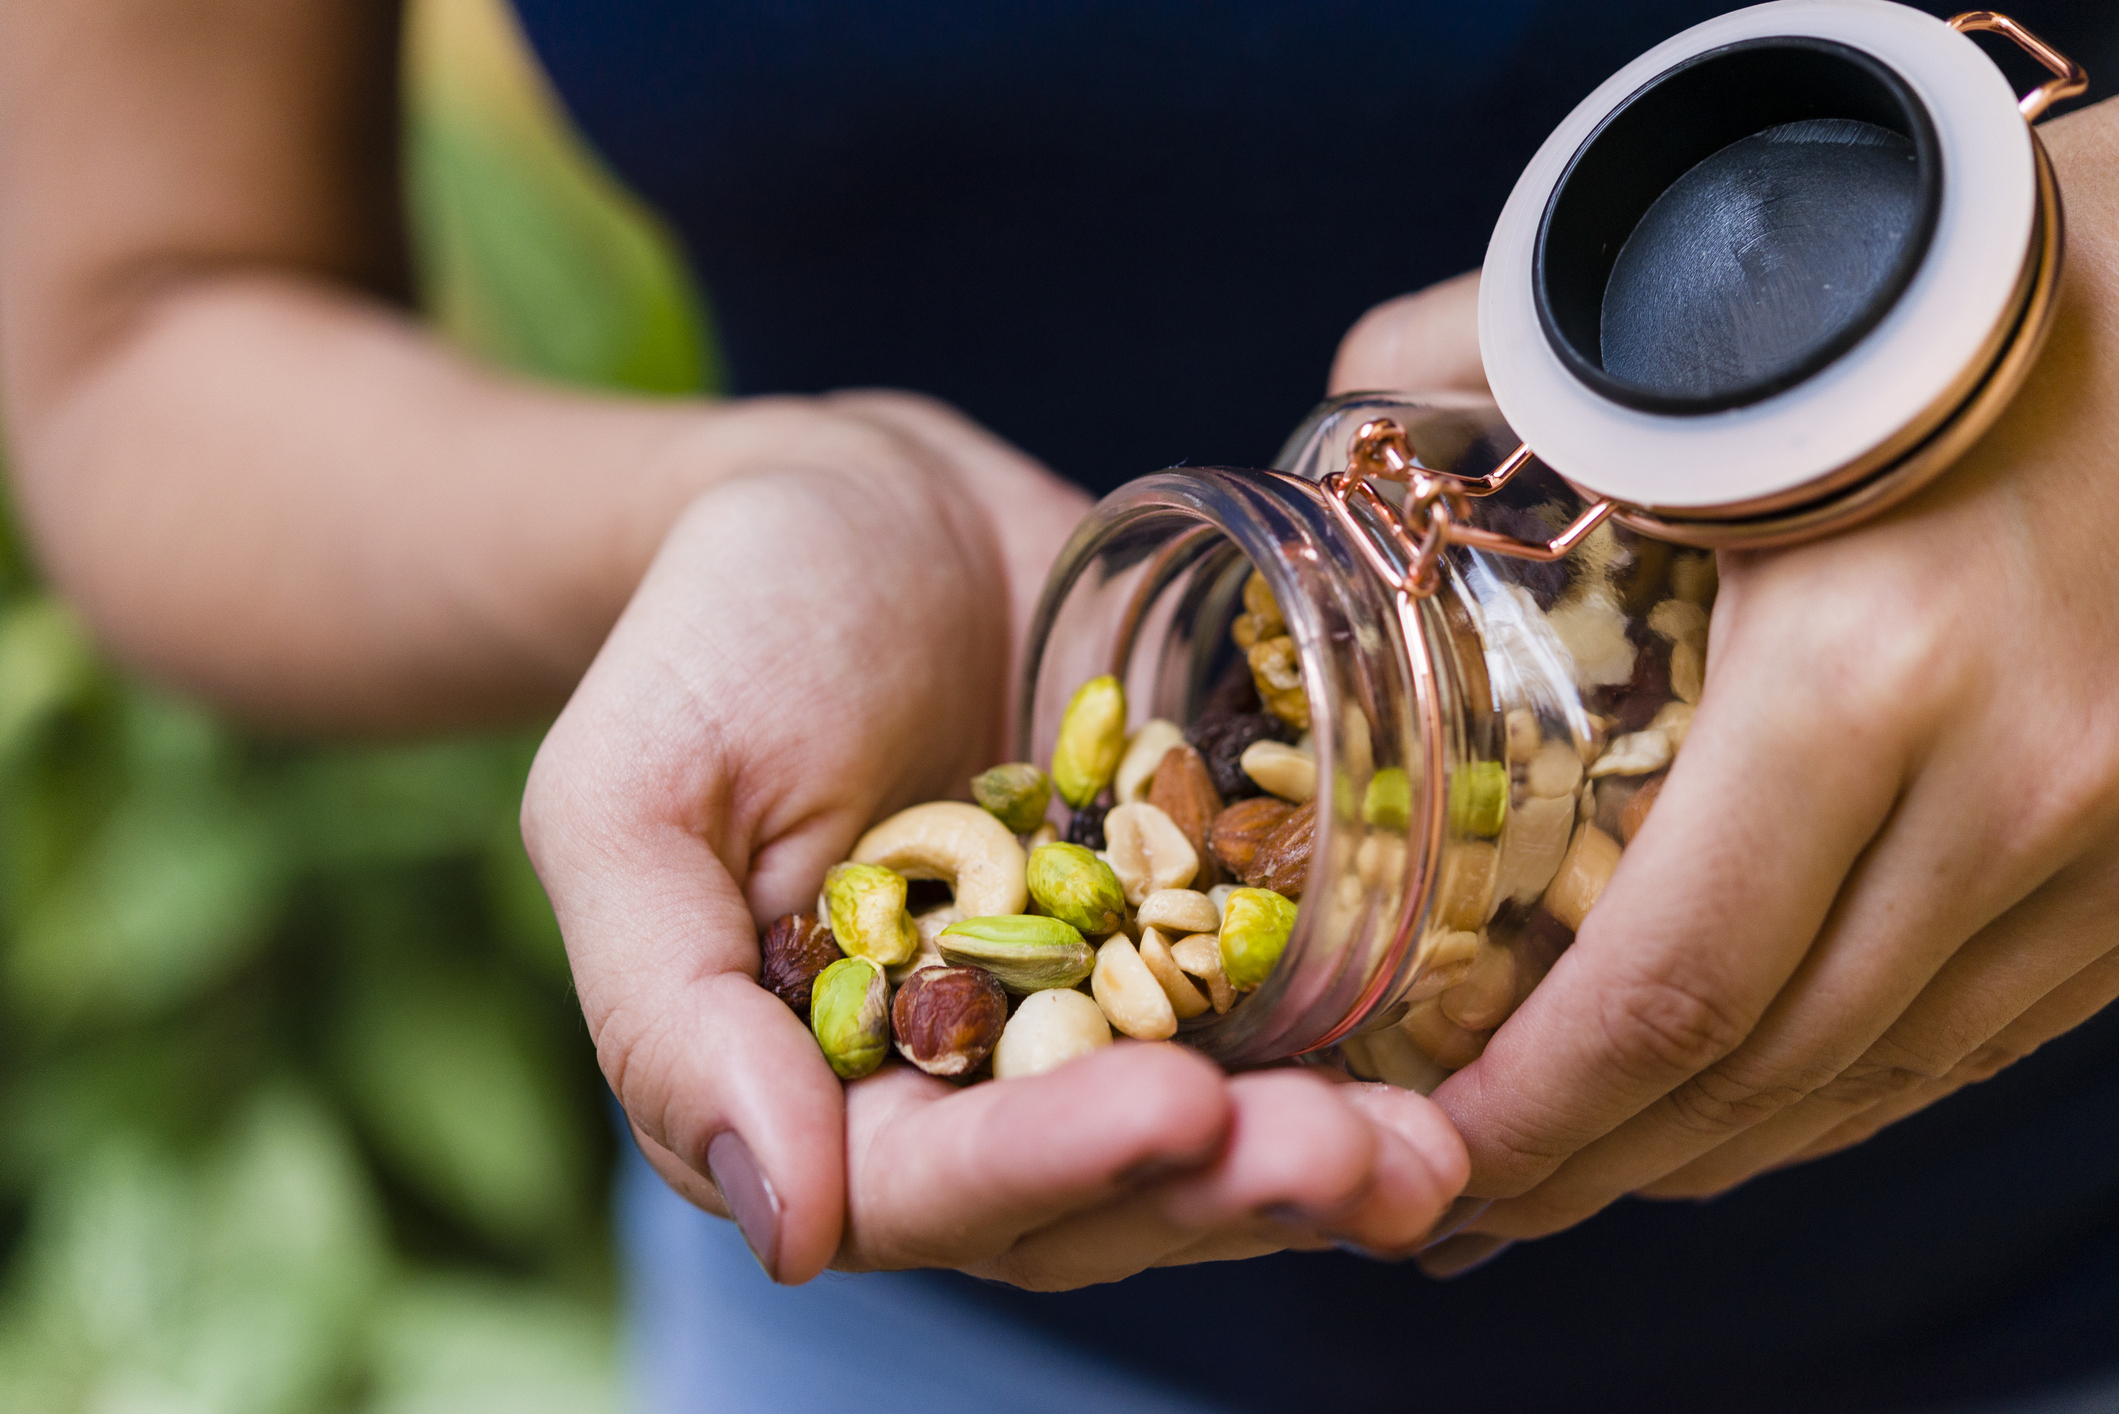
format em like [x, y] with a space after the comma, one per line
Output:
[1126, 236]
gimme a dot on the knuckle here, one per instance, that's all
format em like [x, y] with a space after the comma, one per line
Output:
[1872, 1081]
[1722, 1099]
[1660, 1027]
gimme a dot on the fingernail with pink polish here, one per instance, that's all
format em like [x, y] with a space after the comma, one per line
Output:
[749, 1195]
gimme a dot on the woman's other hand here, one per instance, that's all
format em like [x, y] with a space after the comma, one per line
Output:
[1886, 865]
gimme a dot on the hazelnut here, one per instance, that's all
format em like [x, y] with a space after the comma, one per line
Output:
[947, 1020]
[794, 950]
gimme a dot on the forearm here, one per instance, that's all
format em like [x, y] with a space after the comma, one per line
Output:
[293, 501]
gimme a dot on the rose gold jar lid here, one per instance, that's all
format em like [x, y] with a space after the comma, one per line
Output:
[1767, 280]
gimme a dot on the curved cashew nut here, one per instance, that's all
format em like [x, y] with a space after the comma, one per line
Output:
[959, 844]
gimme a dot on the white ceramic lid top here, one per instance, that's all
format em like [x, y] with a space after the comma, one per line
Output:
[1937, 330]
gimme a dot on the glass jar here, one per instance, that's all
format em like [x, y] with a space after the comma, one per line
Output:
[1484, 748]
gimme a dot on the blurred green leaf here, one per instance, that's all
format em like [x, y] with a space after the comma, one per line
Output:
[449, 1075]
[176, 889]
[381, 805]
[45, 663]
[460, 1347]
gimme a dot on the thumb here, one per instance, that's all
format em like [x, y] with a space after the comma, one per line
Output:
[1425, 340]
[722, 1079]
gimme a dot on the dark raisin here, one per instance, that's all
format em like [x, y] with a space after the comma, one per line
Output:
[1221, 742]
[1234, 695]
[1086, 826]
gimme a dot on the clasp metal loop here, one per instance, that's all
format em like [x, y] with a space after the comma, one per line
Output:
[2069, 79]
[1437, 511]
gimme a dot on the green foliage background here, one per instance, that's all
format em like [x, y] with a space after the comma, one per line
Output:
[296, 1109]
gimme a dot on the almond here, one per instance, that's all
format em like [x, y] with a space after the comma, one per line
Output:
[1282, 862]
[1183, 790]
[1240, 830]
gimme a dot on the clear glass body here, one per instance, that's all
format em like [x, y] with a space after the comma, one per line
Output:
[1482, 754]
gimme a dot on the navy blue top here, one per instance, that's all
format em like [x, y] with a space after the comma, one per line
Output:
[1129, 236]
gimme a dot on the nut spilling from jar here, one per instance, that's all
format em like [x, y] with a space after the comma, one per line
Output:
[1156, 877]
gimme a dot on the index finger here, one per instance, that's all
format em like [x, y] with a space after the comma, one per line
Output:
[1707, 916]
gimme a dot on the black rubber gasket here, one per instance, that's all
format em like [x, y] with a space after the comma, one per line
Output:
[1730, 296]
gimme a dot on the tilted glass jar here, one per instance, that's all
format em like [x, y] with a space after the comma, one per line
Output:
[1483, 750]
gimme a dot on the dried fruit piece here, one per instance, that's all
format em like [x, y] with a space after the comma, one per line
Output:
[1255, 927]
[1183, 791]
[959, 844]
[1092, 738]
[1186, 1000]
[1281, 770]
[1282, 862]
[794, 950]
[1277, 669]
[1071, 884]
[1145, 750]
[1222, 742]
[1048, 1030]
[1583, 874]
[1179, 911]
[1015, 794]
[868, 917]
[947, 1020]
[1028, 953]
[1131, 998]
[1239, 831]
[1200, 956]
[1148, 851]
[1086, 826]
[849, 1014]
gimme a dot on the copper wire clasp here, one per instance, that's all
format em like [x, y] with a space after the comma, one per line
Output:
[2069, 80]
[1437, 511]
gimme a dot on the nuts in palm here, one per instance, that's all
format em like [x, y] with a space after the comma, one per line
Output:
[1026, 951]
[947, 1020]
[868, 917]
[849, 1013]
[794, 950]
[1015, 794]
[1071, 884]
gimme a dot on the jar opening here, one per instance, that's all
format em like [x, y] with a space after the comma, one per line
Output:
[1736, 224]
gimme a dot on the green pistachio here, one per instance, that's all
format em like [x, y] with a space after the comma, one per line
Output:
[849, 1010]
[1388, 802]
[868, 917]
[1015, 794]
[1255, 926]
[1026, 951]
[1478, 799]
[1071, 884]
[1092, 740]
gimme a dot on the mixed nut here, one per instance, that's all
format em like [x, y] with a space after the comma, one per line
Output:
[1169, 884]
[1163, 901]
